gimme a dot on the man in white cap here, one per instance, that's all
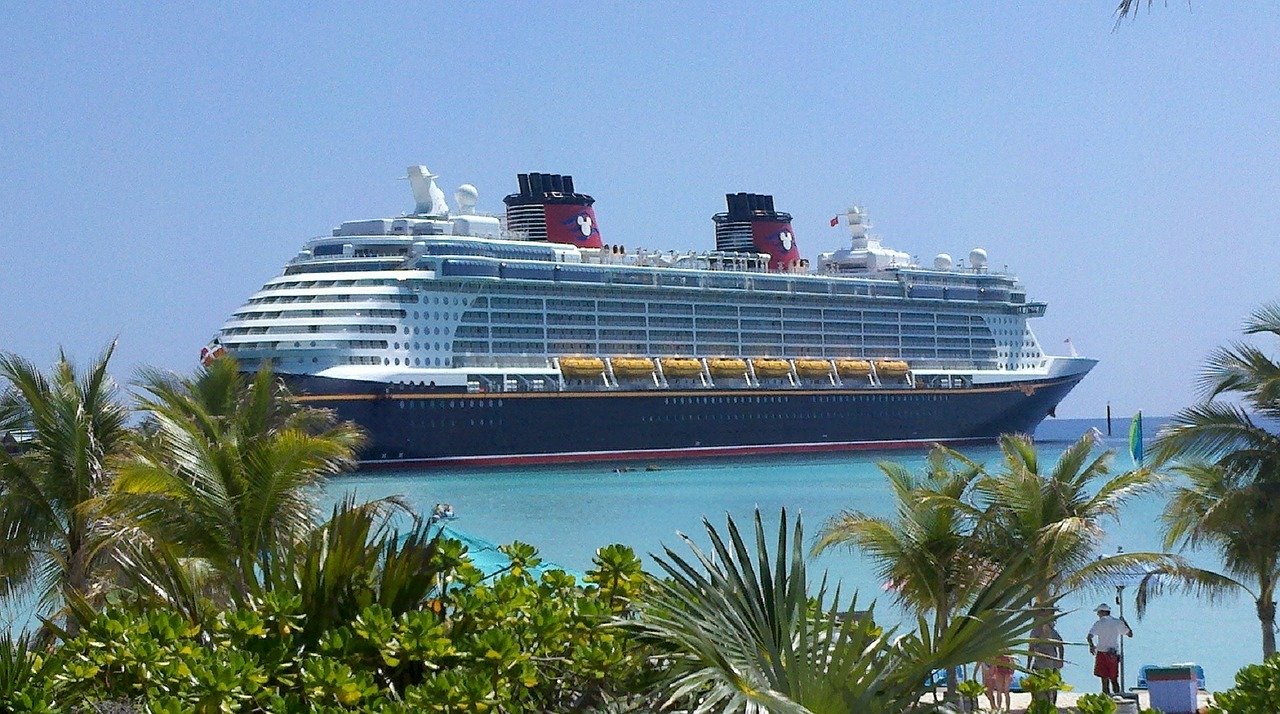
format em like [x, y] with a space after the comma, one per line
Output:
[1106, 648]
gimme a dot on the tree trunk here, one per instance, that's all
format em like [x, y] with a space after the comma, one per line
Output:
[1267, 616]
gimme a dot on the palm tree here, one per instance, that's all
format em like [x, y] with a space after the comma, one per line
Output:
[1223, 432]
[1242, 523]
[53, 542]
[740, 630]
[1054, 518]
[926, 551]
[1231, 498]
[228, 472]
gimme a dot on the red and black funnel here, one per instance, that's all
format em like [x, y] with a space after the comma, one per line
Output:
[548, 209]
[751, 225]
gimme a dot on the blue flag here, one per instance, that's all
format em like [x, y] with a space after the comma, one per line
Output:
[1135, 439]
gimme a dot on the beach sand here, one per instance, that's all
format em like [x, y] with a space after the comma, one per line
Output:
[1065, 699]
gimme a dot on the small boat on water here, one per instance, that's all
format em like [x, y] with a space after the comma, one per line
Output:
[442, 512]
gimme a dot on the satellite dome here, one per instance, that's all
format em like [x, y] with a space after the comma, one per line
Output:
[942, 262]
[978, 258]
[466, 196]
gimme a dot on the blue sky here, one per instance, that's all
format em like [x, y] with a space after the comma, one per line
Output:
[158, 164]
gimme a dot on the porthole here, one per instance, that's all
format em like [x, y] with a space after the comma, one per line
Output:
[397, 361]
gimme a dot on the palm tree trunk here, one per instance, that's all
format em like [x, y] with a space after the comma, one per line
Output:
[1267, 616]
[940, 626]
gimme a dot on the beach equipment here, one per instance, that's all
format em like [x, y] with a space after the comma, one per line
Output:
[1142, 674]
[1135, 439]
[1131, 577]
[1173, 689]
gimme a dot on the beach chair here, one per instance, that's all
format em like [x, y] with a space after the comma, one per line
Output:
[1016, 684]
[1142, 676]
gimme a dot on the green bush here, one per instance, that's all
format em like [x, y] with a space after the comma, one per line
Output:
[512, 642]
[1096, 704]
[1257, 690]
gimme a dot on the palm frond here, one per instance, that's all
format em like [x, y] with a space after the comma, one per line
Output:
[1188, 580]
[734, 645]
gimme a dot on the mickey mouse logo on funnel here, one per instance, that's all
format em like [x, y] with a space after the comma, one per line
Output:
[573, 224]
[778, 240]
[547, 208]
[752, 225]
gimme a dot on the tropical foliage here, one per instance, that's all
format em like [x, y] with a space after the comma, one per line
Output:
[1052, 517]
[227, 474]
[926, 553]
[508, 643]
[1229, 498]
[54, 542]
[1257, 690]
[742, 631]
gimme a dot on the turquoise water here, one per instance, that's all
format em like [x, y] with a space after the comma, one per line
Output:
[568, 512]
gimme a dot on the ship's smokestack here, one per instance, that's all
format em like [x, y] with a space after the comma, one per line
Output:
[548, 209]
[751, 225]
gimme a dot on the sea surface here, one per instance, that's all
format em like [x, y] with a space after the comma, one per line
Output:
[570, 511]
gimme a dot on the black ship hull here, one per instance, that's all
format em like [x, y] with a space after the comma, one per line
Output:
[436, 427]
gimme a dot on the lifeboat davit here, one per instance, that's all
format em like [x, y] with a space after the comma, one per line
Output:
[853, 367]
[892, 368]
[679, 367]
[632, 366]
[581, 367]
[813, 367]
[727, 367]
[771, 368]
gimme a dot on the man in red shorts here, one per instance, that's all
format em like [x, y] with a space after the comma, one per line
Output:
[1104, 645]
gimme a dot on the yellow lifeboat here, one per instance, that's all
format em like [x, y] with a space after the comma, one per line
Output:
[891, 368]
[632, 366]
[581, 367]
[853, 367]
[813, 367]
[771, 368]
[679, 367]
[727, 367]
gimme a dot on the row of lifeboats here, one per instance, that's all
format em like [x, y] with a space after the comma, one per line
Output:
[586, 367]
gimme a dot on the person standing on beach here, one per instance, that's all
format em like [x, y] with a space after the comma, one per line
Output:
[1106, 648]
[997, 676]
[1047, 653]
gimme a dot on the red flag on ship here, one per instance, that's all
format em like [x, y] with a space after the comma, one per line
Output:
[835, 221]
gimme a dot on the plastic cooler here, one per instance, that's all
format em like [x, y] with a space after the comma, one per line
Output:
[1173, 689]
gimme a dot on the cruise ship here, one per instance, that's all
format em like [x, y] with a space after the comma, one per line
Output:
[459, 337]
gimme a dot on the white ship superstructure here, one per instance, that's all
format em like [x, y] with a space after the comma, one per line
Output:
[454, 297]
[453, 300]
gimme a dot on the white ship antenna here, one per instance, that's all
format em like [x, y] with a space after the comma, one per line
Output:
[427, 196]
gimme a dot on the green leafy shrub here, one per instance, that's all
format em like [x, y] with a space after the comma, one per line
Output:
[510, 642]
[1096, 704]
[1257, 690]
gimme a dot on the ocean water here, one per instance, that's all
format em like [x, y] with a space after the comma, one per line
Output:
[568, 512]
